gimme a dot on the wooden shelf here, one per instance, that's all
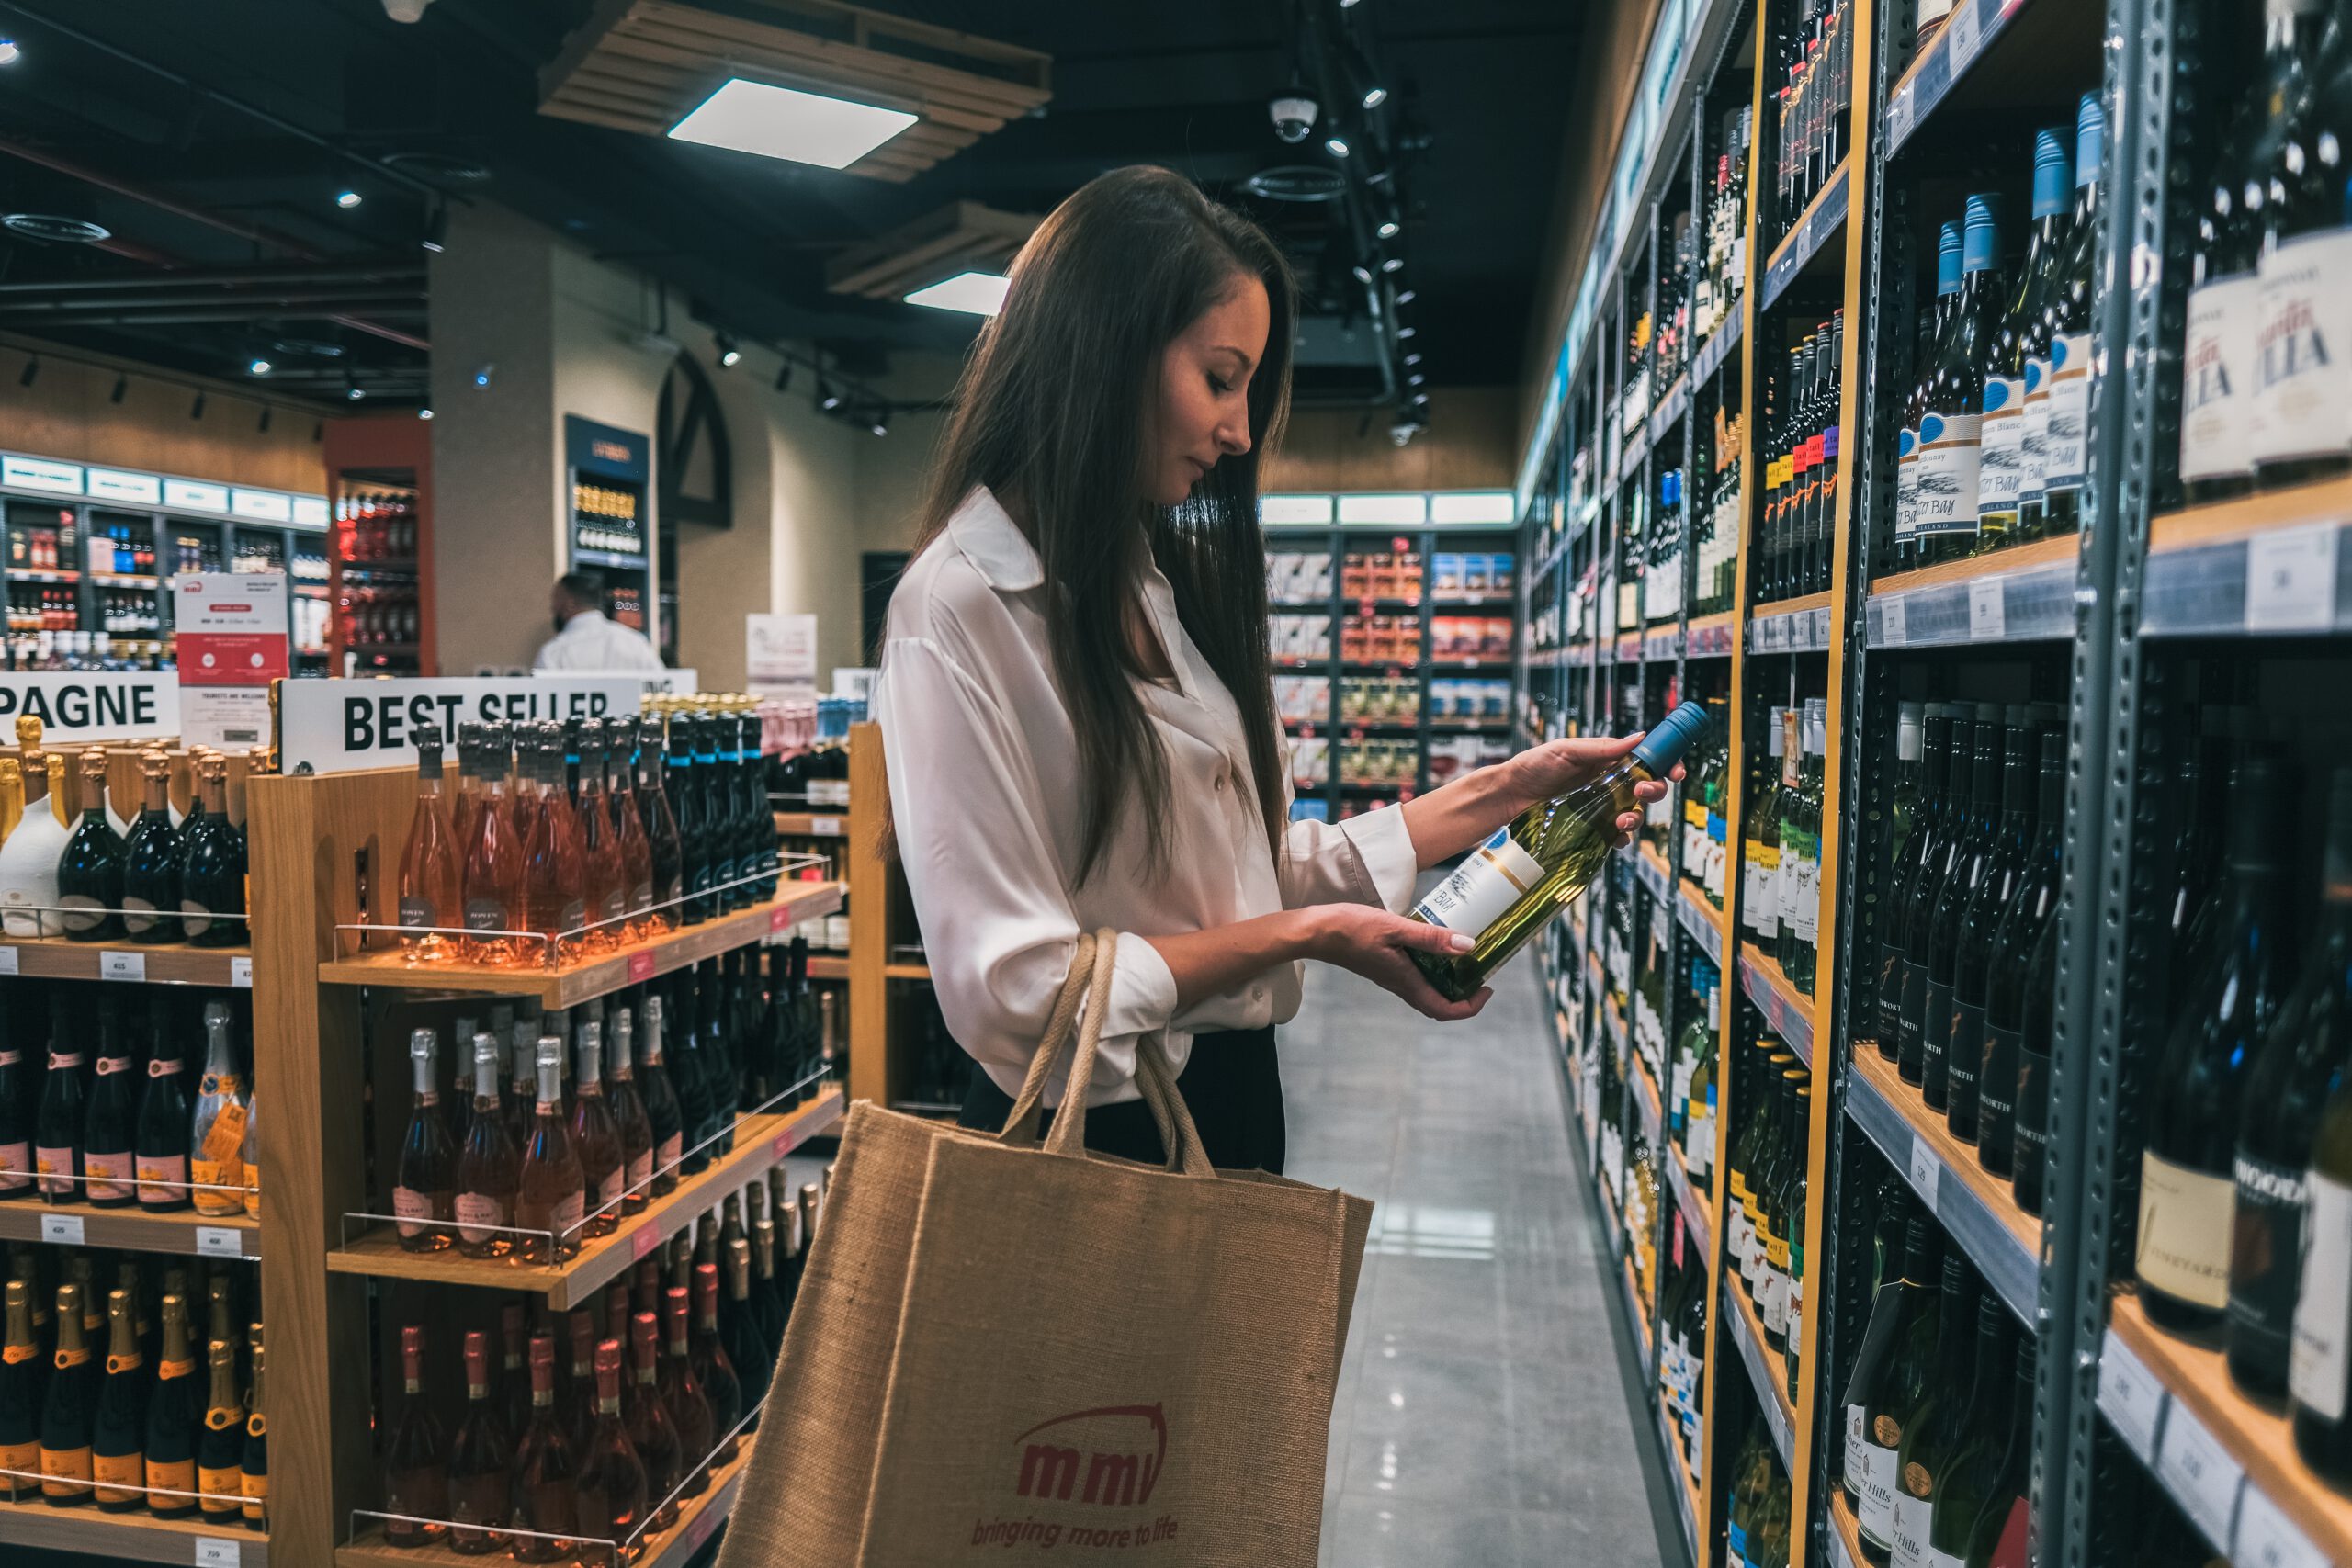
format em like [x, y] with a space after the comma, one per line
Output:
[813, 824]
[1786, 1008]
[1639, 1311]
[132, 1538]
[1822, 218]
[2202, 569]
[1978, 1208]
[1698, 1214]
[577, 983]
[1845, 1533]
[760, 1142]
[906, 970]
[1764, 1369]
[1653, 1120]
[164, 963]
[183, 1232]
[2013, 558]
[828, 967]
[2196, 1422]
[698, 1518]
[1700, 919]
[2018, 593]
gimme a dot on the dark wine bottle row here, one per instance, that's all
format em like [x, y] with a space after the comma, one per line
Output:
[559, 1125]
[1767, 1172]
[123, 1096]
[598, 1425]
[138, 1390]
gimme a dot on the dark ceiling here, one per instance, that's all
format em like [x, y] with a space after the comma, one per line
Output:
[212, 139]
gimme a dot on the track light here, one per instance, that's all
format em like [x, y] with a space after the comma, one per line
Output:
[346, 199]
[728, 355]
[1348, 5]
[32, 372]
[1336, 145]
[9, 53]
[881, 426]
[784, 376]
[1374, 96]
[425, 413]
[437, 230]
[1415, 380]
[264, 419]
[827, 398]
[1406, 296]
[1412, 360]
[259, 367]
[355, 391]
[1389, 229]
[1364, 272]
[1394, 264]
[1403, 332]
[483, 373]
[195, 409]
[121, 390]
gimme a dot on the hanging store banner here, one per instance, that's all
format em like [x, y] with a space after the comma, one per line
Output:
[337, 726]
[74, 706]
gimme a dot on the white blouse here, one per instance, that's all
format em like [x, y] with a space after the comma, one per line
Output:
[984, 797]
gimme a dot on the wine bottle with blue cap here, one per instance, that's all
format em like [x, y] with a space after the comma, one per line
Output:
[1528, 871]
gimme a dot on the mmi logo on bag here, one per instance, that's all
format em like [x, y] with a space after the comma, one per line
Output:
[1113, 1455]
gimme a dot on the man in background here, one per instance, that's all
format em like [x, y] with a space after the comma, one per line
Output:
[585, 638]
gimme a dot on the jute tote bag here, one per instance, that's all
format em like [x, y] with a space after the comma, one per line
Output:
[1002, 1352]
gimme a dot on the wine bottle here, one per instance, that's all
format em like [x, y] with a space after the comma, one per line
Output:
[691, 1407]
[1760, 838]
[1937, 1444]
[17, 1097]
[1981, 1503]
[432, 871]
[686, 800]
[647, 1418]
[57, 1125]
[212, 865]
[28, 859]
[253, 1461]
[161, 1140]
[151, 862]
[1909, 541]
[662, 847]
[416, 1457]
[2003, 460]
[1972, 851]
[604, 881]
[481, 1456]
[611, 1488]
[717, 818]
[522, 1102]
[664, 1116]
[632, 1121]
[220, 1446]
[577, 1400]
[554, 870]
[2010, 960]
[2196, 1094]
[596, 1138]
[717, 1057]
[1889, 1373]
[488, 1167]
[109, 1158]
[1800, 871]
[173, 1415]
[689, 1078]
[2303, 1055]
[20, 1399]
[2319, 1363]
[1922, 734]
[628, 828]
[2301, 330]
[546, 1468]
[1980, 923]
[1952, 409]
[2058, 354]
[1528, 870]
[1941, 1377]
[424, 1190]
[490, 864]
[767, 1289]
[550, 1194]
[743, 1334]
[89, 869]
[118, 1426]
[66, 1415]
[217, 1129]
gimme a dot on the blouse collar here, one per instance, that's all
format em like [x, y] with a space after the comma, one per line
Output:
[994, 544]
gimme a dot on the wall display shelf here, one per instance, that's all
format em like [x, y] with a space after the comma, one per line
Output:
[183, 1232]
[2272, 564]
[1763, 1372]
[1815, 228]
[2025, 592]
[167, 963]
[193, 1542]
[1788, 1012]
[1695, 1213]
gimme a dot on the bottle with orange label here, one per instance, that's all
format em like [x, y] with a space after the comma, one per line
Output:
[172, 1416]
[254, 1463]
[65, 1411]
[20, 1399]
[119, 1429]
[217, 1132]
[220, 1446]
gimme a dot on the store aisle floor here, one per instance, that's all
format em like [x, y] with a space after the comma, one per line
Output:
[1483, 1416]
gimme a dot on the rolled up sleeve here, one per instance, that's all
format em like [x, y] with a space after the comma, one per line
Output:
[998, 931]
[1364, 860]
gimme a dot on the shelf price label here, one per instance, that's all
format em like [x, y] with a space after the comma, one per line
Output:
[217, 1551]
[2131, 1396]
[62, 1229]
[122, 966]
[2200, 1472]
[1961, 35]
[240, 972]
[1926, 1171]
[825, 828]
[644, 1239]
[219, 1241]
[2268, 1539]
[1891, 617]
[1987, 617]
[640, 966]
[2291, 579]
[7, 961]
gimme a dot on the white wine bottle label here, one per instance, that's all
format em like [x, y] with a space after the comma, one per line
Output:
[2000, 465]
[1907, 484]
[1483, 888]
[1878, 1484]
[2035, 448]
[2321, 1359]
[1949, 450]
[2304, 316]
[1799, 880]
[1856, 1452]
[2067, 444]
[2185, 1232]
[1912, 1517]
[1934, 1559]
[2217, 380]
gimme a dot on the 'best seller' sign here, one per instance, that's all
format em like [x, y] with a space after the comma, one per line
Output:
[333, 727]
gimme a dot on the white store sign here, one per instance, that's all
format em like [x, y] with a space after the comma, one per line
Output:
[92, 706]
[336, 727]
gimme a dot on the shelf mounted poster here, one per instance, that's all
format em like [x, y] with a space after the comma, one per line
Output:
[232, 642]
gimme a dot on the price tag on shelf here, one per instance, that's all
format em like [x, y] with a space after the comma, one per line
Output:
[642, 1240]
[219, 1241]
[1962, 32]
[122, 966]
[784, 1143]
[2200, 1472]
[7, 961]
[704, 1523]
[1890, 621]
[1927, 1171]
[217, 1551]
[825, 828]
[2268, 1539]
[778, 918]
[62, 1229]
[1821, 628]
[2129, 1395]
[2291, 579]
[240, 972]
[1987, 621]
[640, 966]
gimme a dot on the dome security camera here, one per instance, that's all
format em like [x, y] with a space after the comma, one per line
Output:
[1293, 113]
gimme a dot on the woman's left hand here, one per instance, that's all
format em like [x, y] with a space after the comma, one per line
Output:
[1558, 766]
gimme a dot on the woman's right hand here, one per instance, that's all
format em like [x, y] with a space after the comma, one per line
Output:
[1370, 941]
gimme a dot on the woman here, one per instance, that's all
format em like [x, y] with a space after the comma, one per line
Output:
[1075, 696]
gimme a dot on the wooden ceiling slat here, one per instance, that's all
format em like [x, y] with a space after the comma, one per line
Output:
[1007, 97]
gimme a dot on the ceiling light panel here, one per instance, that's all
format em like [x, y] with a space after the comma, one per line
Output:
[980, 293]
[783, 122]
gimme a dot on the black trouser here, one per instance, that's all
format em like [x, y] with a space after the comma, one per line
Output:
[1231, 1083]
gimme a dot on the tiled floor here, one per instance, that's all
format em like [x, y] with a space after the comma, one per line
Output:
[1483, 1417]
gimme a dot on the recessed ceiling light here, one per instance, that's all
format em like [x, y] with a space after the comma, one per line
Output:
[9, 53]
[1406, 296]
[355, 393]
[781, 122]
[1405, 332]
[258, 367]
[1394, 264]
[1364, 272]
[981, 293]
[1412, 360]
[425, 413]
[1388, 230]
[730, 356]
[346, 199]
[1336, 145]
[1374, 96]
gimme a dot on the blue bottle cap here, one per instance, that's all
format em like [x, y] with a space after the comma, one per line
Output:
[2050, 173]
[1948, 260]
[1676, 734]
[2090, 139]
[1980, 243]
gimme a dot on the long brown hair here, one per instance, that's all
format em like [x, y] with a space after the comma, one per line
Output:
[1053, 410]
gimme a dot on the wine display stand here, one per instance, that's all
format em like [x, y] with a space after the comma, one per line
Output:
[189, 1542]
[182, 1232]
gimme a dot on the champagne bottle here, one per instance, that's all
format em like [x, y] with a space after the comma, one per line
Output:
[432, 872]
[546, 1467]
[212, 863]
[416, 1457]
[16, 1109]
[220, 1446]
[424, 1190]
[664, 1117]
[612, 1489]
[2197, 1096]
[633, 1124]
[217, 1130]
[109, 1160]
[1527, 870]
[715, 1375]
[28, 859]
[89, 870]
[595, 1138]
[20, 1399]
[117, 1428]
[252, 1463]
[487, 1166]
[172, 1418]
[66, 1415]
[2303, 1057]
[151, 860]
[481, 1457]
[550, 1191]
[651, 1430]
[161, 1141]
